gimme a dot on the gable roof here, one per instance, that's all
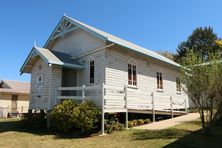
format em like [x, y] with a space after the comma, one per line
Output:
[50, 57]
[106, 37]
[15, 87]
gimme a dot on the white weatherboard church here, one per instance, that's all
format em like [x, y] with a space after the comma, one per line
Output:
[81, 62]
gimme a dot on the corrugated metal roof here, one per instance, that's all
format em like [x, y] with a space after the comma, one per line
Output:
[48, 56]
[15, 87]
[53, 57]
[59, 58]
[121, 42]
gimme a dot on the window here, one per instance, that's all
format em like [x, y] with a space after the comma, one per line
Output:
[178, 85]
[39, 79]
[132, 78]
[159, 80]
[91, 71]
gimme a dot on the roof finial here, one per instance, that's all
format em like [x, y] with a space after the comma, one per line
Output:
[65, 14]
[34, 44]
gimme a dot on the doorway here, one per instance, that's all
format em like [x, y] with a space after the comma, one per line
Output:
[14, 104]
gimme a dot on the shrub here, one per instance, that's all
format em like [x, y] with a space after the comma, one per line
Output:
[70, 115]
[87, 116]
[63, 116]
[134, 122]
[34, 120]
[130, 123]
[113, 124]
[140, 122]
[146, 121]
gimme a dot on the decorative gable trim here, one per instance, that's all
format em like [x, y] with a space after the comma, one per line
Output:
[67, 24]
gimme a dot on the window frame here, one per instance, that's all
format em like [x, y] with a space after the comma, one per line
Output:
[159, 78]
[178, 85]
[38, 80]
[91, 71]
[132, 74]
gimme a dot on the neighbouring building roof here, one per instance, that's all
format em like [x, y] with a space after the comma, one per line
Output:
[50, 57]
[14, 87]
[111, 38]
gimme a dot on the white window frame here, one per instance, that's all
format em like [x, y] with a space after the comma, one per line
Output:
[133, 63]
[158, 81]
[91, 59]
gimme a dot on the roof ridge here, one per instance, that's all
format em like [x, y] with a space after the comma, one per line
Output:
[114, 38]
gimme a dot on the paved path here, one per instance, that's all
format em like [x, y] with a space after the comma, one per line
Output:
[169, 122]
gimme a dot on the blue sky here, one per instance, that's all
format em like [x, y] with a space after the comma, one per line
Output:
[153, 24]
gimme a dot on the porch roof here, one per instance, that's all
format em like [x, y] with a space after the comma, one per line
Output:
[51, 58]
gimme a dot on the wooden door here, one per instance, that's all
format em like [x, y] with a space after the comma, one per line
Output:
[14, 104]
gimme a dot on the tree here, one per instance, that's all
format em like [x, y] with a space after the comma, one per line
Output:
[203, 85]
[196, 83]
[202, 41]
[216, 89]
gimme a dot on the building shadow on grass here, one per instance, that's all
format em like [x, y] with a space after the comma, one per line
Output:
[18, 126]
[198, 140]
[185, 138]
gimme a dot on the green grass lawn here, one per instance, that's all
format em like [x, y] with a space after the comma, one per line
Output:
[184, 135]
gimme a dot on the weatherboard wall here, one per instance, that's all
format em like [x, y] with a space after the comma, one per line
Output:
[117, 60]
[39, 93]
[22, 102]
[76, 42]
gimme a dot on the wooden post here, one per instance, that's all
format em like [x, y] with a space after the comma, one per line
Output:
[83, 93]
[103, 113]
[57, 94]
[22, 110]
[153, 103]
[48, 119]
[126, 105]
[185, 104]
[171, 105]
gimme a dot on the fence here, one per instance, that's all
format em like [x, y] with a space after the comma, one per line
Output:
[123, 99]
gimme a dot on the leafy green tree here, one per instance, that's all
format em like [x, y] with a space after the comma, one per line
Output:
[202, 41]
[203, 85]
[216, 89]
[196, 82]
